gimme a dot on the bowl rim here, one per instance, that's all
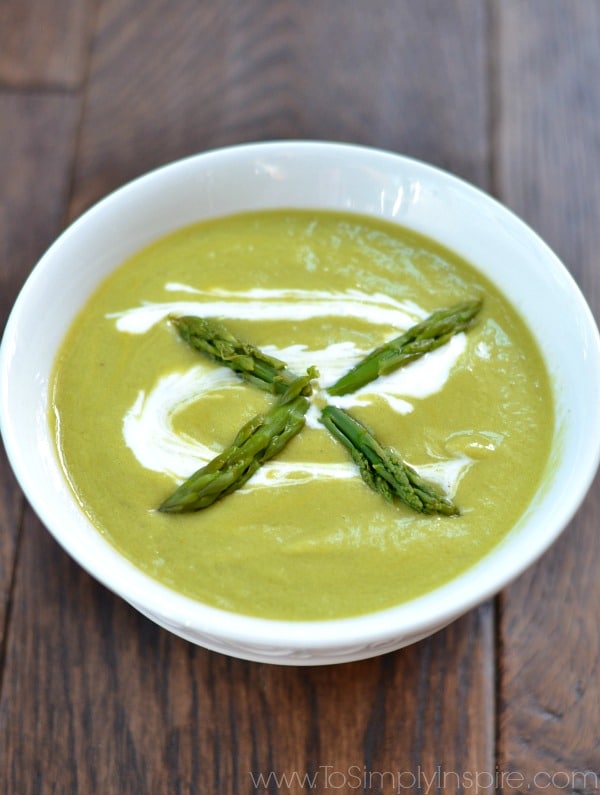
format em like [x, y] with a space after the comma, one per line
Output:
[469, 588]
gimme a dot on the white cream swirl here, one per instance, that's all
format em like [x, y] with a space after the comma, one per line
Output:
[148, 426]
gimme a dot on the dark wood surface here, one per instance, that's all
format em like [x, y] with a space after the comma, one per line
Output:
[93, 697]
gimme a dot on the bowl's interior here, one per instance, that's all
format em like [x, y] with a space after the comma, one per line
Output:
[311, 175]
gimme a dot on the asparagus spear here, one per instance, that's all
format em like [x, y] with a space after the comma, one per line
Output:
[431, 333]
[382, 468]
[258, 441]
[213, 338]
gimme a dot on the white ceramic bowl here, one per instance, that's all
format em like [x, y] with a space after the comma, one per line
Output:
[310, 175]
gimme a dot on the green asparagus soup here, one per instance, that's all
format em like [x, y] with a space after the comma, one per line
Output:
[137, 410]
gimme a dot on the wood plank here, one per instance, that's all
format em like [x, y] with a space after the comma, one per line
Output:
[97, 699]
[384, 74]
[549, 172]
[35, 169]
[43, 43]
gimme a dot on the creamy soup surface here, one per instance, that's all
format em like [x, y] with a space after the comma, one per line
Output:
[136, 411]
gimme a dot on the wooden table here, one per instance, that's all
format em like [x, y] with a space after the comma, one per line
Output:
[93, 697]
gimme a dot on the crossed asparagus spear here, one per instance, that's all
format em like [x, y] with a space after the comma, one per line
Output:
[265, 435]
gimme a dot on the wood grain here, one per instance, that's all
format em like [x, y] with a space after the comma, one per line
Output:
[549, 172]
[164, 85]
[44, 43]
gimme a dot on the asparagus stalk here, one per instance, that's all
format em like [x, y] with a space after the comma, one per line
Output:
[258, 441]
[382, 468]
[214, 339]
[431, 333]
